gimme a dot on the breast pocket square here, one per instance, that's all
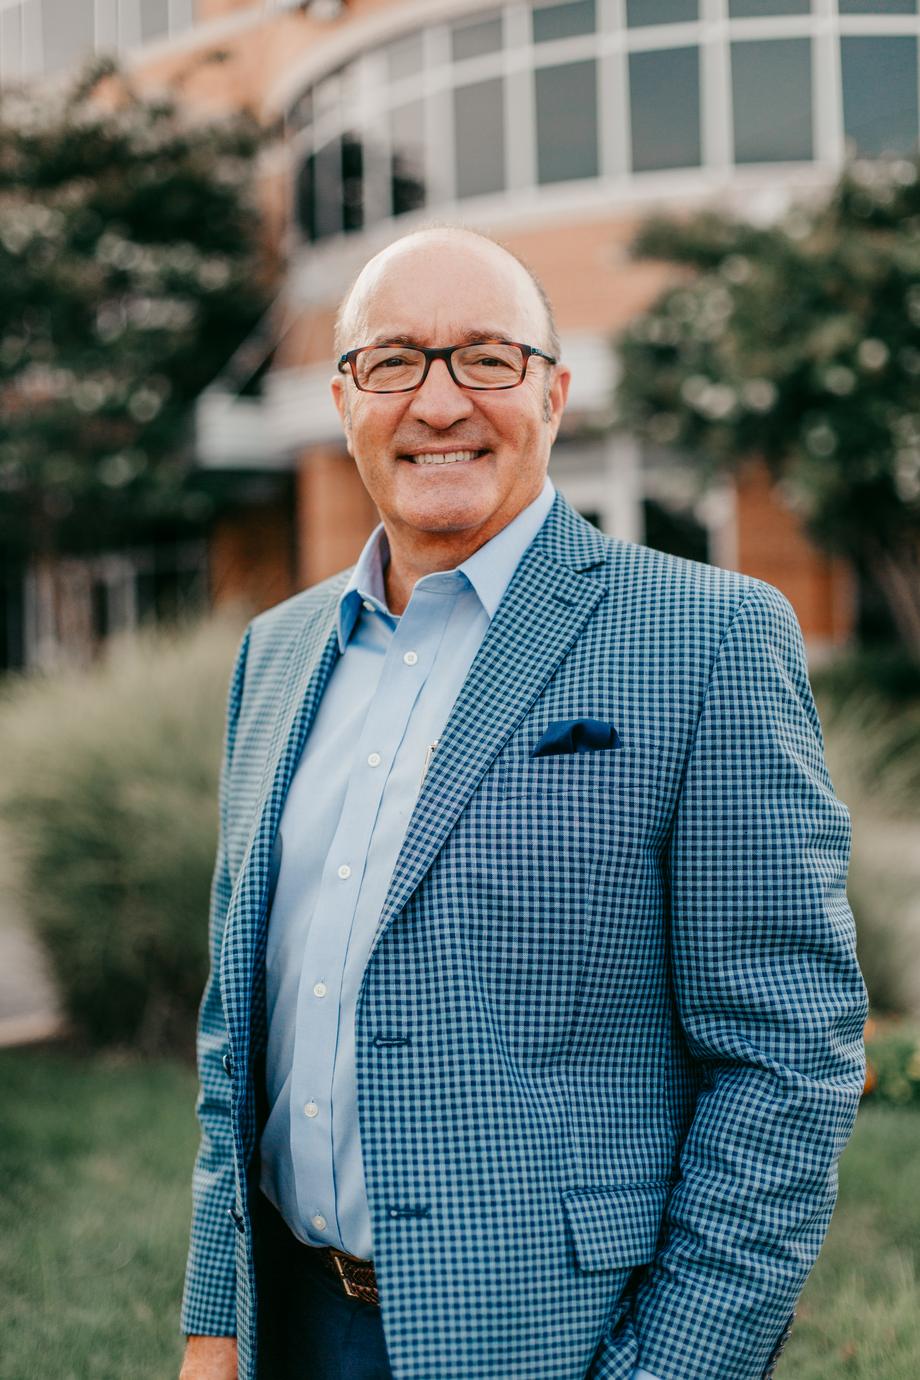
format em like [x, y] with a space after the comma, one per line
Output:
[576, 735]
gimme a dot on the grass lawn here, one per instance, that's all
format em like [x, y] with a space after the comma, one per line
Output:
[94, 1162]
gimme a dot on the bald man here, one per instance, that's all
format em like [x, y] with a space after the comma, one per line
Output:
[533, 1029]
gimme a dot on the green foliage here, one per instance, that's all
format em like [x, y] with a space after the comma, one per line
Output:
[800, 343]
[109, 793]
[893, 1056]
[130, 271]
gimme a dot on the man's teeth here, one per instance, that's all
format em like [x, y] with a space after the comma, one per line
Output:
[450, 457]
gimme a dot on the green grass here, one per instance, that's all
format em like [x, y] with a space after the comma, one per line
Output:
[95, 1157]
[95, 1161]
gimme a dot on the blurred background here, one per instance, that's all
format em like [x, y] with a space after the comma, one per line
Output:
[722, 198]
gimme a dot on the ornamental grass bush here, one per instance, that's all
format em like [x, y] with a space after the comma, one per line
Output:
[873, 753]
[108, 801]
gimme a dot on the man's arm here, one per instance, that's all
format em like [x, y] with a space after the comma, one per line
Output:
[209, 1302]
[772, 1006]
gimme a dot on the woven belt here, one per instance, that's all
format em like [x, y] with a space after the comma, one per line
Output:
[355, 1276]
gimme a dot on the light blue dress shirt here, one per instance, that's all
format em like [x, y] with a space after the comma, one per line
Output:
[344, 820]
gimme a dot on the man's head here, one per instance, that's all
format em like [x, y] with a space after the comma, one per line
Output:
[441, 287]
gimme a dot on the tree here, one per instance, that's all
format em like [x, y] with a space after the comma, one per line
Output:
[799, 343]
[130, 271]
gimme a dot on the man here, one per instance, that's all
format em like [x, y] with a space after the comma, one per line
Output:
[533, 1032]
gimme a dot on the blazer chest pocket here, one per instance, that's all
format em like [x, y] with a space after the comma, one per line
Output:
[616, 1226]
[603, 771]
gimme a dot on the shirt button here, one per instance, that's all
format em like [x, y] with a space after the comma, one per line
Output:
[368, 605]
[374, 760]
[410, 658]
[344, 871]
[310, 1109]
[318, 1221]
[319, 989]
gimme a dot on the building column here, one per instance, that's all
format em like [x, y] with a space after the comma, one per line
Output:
[335, 515]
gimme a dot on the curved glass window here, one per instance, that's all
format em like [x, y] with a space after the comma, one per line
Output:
[567, 121]
[879, 78]
[527, 96]
[642, 12]
[479, 137]
[756, 9]
[664, 109]
[563, 21]
[771, 97]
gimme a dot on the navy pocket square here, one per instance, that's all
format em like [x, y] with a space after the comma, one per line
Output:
[576, 735]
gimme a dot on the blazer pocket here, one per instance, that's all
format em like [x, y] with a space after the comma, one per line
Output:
[616, 1226]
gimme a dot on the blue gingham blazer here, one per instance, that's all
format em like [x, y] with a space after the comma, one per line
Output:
[609, 1034]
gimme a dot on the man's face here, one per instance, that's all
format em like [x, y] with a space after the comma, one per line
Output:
[445, 290]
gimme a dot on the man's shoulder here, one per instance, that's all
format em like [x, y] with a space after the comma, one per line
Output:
[676, 586]
[292, 615]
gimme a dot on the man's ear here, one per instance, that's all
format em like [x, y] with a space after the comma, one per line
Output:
[340, 396]
[557, 396]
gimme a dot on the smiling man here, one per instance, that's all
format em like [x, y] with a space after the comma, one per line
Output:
[533, 1030]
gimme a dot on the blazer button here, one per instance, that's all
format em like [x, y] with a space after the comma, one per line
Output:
[227, 1062]
[237, 1219]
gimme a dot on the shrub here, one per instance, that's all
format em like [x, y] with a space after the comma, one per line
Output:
[893, 1064]
[873, 752]
[109, 793]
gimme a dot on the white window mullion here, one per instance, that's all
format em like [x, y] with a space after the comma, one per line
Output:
[717, 144]
[520, 113]
[613, 96]
[33, 46]
[107, 25]
[826, 85]
[129, 24]
[181, 15]
[440, 173]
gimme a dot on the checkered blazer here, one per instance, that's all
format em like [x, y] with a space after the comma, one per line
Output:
[609, 1034]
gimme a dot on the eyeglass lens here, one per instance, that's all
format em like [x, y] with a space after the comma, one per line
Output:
[391, 368]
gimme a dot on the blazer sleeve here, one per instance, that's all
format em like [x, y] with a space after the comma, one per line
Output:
[209, 1299]
[772, 1007]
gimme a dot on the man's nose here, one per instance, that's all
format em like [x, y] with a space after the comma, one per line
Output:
[440, 402]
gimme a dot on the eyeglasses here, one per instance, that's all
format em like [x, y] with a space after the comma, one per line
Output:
[485, 364]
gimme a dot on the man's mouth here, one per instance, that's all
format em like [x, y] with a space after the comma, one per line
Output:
[444, 457]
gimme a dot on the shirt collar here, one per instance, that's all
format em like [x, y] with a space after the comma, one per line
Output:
[489, 570]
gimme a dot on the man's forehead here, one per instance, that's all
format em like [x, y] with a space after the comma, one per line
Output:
[461, 282]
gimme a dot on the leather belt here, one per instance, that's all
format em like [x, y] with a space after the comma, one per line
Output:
[356, 1277]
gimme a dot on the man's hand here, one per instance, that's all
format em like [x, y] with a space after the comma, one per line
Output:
[209, 1358]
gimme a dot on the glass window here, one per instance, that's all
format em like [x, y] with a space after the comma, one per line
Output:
[475, 40]
[664, 104]
[878, 6]
[479, 137]
[68, 31]
[319, 192]
[880, 93]
[639, 12]
[407, 167]
[563, 21]
[352, 182]
[771, 95]
[753, 9]
[404, 57]
[566, 121]
[154, 19]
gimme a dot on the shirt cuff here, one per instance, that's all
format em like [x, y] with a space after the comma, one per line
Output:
[642, 1375]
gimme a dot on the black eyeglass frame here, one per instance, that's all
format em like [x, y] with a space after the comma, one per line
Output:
[443, 352]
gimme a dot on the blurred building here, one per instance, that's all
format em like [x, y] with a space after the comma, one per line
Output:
[556, 126]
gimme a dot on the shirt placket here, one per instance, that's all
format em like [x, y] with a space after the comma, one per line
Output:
[409, 660]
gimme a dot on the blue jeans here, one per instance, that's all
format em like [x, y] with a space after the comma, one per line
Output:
[309, 1329]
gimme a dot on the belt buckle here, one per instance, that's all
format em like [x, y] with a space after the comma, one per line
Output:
[351, 1289]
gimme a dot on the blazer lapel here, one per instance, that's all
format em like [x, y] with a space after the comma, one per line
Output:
[312, 655]
[536, 623]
